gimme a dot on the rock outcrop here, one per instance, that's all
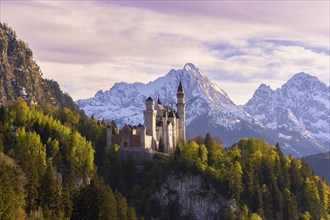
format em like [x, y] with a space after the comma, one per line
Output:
[188, 196]
[21, 77]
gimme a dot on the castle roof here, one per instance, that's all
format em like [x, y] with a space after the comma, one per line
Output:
[149, 99]
[171, 115]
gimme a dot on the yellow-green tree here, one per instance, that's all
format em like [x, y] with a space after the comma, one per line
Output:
[190, 153]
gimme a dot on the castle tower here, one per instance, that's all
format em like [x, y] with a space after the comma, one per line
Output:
[150, 118]
[109, 138]
[181, 108]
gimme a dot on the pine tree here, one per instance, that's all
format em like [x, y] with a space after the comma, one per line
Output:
[122, 208]
[12, 193]
[51, 193]
[131, 214]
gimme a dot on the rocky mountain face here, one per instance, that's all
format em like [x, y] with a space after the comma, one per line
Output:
[208, 109]
[125, 102]
[188, 196]
[300, 108]
[20, 76]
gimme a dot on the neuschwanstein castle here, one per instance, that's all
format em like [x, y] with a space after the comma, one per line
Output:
[161, 124]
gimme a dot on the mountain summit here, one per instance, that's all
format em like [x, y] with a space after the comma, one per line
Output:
[301, 107]
[124, 102]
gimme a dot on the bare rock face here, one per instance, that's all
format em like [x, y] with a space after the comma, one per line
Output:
[187, 197]
[21, 77]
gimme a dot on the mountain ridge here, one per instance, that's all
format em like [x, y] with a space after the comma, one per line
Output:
[300, 106]
[20, 75]
[207, 104]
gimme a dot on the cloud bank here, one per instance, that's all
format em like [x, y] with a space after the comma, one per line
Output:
[89, 45]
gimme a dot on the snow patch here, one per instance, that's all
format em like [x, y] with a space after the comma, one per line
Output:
[287, 137]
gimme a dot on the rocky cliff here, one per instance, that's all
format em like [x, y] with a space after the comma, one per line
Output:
[20, 76]
[188, 196]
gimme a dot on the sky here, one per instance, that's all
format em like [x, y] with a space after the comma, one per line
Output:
[89, 45]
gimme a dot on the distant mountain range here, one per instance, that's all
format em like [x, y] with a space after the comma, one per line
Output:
[300, 108]
[296, 116]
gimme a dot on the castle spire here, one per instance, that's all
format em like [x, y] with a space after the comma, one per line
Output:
[158, 101]
[180, 89]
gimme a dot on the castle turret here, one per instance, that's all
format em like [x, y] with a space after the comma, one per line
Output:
[181, 108]
[150, 118]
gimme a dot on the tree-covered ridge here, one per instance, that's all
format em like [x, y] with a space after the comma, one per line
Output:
[264, 183]
[260, 178]
[55, 161]
[54, 157]
[37, 136]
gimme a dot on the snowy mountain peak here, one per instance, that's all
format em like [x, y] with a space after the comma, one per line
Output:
[299, 119]
[300, 107]
[302, 76]
[304, 82]
[264, 88]
[189, 67]
[125, 102]
[99, 93]
[189, 70]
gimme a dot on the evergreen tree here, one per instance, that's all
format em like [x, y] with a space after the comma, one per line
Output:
[96, 201]
[122, 208]
[311, 198]
[210, 145]
[51, 193]
[131, 215]
[12, 193]
[235, 181]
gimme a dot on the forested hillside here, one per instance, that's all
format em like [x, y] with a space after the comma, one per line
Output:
[48, 146]
[260, 180]
[46, 166]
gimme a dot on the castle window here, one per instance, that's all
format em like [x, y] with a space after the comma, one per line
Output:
[125, 144]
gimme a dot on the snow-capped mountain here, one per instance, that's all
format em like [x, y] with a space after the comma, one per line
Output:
[208, 108]
[124, 102]
[300, 108]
